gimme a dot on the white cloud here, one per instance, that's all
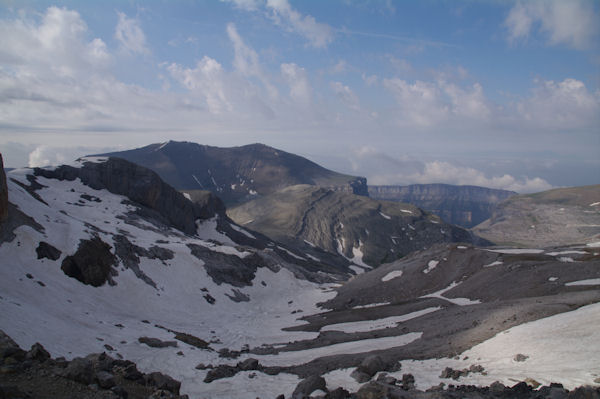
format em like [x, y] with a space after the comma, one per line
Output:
[56, 47]
[346, 95]
[246, 60]
[248, 5]
[370, 80]
[561, 105]
[382, 169]
[295, 77]
[130, 35]
[318, 34]
[573, 22]
[44, 155]
[430, 104]
[207, 80]
[419, 103]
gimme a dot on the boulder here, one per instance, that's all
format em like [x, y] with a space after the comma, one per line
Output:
[373, 390]
[157, 343]
[91, 263]
[37, 352]
[162, 381]
[308, 386]
[221, 371]
[45, 250]
[248, 364]
[79, 370]
[105, 379]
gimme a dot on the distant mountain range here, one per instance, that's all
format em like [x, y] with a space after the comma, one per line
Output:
[560, 216]
[236, 174]
[466, 206]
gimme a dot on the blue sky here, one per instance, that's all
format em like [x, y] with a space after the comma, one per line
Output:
[502, 94]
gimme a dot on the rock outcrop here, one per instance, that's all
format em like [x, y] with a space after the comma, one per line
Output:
[3, 193]
[140, 185]
[556, 217]
[360, 228]
[91, 264]
[465, 206]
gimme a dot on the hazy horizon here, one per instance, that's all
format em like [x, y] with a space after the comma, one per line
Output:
[496, 94]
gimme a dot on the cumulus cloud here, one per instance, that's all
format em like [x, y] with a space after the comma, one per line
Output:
[295, 77]
[564, 105]
[207, 79]
[317, 34]
[428, 104]
[419, 103]
[572, 23]
[56, 47]
[246, 60]
[130, 35]
[346, 95]
[44, 155]
[248, 5]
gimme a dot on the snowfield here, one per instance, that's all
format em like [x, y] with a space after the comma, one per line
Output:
[40, 303]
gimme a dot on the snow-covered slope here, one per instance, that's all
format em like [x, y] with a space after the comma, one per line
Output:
[143, 289]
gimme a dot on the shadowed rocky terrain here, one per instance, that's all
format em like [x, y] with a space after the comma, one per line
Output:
[465, 206]
[364, 230]
[560, 216]
[94, 258]
[236, 174]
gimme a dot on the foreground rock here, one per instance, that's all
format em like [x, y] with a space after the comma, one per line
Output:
[34, 374]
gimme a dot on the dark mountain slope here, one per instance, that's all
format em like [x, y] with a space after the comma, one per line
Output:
[465, 206]
[236, 174]
[360, 228]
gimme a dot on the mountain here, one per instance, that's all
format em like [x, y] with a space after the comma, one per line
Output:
[466, 206]
[555, 217]
[236, 174]
[364, 230]
[103, 256]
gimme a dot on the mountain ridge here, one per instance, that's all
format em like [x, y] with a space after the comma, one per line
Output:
[236, 174]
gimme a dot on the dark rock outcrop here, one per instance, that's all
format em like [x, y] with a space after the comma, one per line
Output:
[140, 185]
[465, 206]
[3, 193]
[91, 264]
[236, 174]
[45, 250]
[308, 386]
[229, 269]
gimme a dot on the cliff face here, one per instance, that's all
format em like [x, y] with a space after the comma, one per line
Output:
[3, 193]
[141, 185]
[556, 217]
[365, 230]
[465, 206]
[236, 174]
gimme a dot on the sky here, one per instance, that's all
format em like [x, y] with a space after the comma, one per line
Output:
[502, 94]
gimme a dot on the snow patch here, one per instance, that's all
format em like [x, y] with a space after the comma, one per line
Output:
[431, 265]
[591, 281]
[516, 251]
[456, 301]
[240, 230]
[378, 324]
[371, 305]
[391, 275]
[495, 263]
[385, 216]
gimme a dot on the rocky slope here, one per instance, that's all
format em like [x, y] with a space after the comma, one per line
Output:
[230, 313]
[364, 230]
[555, 217]
[465, 206]
[236, 174]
